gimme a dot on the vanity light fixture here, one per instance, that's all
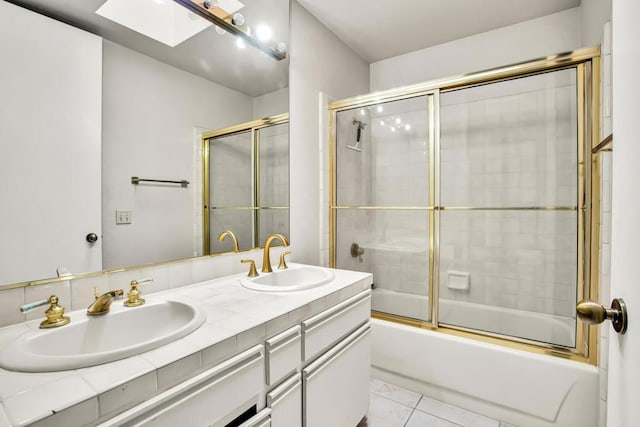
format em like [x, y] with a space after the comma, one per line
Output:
[235, 25]
[169, 23]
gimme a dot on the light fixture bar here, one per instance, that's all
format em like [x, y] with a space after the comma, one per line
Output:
[222, 19]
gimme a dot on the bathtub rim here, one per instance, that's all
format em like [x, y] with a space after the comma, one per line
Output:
[514, 343]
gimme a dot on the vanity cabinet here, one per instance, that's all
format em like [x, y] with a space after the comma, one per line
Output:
[261, 419]
[212, 398]
[285, 402]
[314, 374]
[336, 385]
[326, 329]
[283, 354]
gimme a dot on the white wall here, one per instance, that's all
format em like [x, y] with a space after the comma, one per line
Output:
[50, 88]
[149, 112]
[271, 103]
[547, 35]
[320, 62]
[624, 350]
[593, 15]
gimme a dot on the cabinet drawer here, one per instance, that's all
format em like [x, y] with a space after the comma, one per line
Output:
[261, 419]
[285, 402]
[327, 328]
[214, 397]
[336, 385]
[283, 354]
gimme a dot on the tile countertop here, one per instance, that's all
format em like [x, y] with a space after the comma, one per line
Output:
[237, 319]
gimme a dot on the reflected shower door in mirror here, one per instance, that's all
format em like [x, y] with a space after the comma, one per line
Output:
[246, 183]
[83, 113]
[383, 204]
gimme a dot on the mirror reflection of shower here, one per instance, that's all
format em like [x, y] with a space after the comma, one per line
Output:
[360, 127]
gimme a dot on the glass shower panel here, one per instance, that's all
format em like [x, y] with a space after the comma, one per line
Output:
[231, 170]
[382, 154]
[273, 164]
[240, 221]
[272, 221]
[511, 143]
[394, 247]
[510, 272]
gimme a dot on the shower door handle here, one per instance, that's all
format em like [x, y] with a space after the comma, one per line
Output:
[592, 313]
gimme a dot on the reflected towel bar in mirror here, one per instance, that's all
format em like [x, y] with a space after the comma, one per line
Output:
[135, 181]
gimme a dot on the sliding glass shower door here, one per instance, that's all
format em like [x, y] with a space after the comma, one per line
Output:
[509, 207]
[383, 200]
[470, 201]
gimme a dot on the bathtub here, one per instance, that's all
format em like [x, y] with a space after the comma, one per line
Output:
[519, 387]
[506, 321]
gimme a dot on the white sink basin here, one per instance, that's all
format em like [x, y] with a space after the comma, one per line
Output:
[295, 278]
[92, 340]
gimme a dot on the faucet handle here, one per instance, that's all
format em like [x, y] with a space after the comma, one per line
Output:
[282, 265]
[33, 305]
[55, 313]
[133, 296]
[252, 268]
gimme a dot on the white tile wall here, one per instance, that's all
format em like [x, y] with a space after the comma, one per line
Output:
[78, 293]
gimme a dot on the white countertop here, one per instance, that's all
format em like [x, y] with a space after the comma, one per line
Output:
[237, 318]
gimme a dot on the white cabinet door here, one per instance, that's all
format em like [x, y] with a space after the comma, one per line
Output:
[336, 386]
[215, 397]
[285, 402]
[261, 419]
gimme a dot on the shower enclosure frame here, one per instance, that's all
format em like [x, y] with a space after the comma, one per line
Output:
[253, 126]
[586, 62]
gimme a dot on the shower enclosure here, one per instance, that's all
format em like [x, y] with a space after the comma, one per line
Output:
[470, 201]
[246, 183]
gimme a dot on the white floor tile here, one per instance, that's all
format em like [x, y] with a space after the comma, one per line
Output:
[386, 413]
[395, 393]
[455, 414]
[420, 419]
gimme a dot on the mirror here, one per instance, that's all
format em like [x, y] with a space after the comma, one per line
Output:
[254, 204]
[90, 104]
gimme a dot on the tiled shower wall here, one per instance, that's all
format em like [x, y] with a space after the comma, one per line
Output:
[274, 180]
[230, 185]
[511, 145]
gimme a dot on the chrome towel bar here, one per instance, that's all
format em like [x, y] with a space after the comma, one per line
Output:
[135, 181]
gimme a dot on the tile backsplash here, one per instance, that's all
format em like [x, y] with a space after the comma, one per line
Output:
[77, 294]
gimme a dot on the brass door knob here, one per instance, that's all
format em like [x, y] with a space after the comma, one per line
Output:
[592, 313]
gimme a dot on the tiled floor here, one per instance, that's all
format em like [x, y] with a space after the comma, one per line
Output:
[393, 406]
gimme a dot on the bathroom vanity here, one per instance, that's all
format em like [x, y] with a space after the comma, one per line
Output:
[298, 358]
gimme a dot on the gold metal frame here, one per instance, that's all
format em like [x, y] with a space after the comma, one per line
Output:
[586, 62]
[253, 127]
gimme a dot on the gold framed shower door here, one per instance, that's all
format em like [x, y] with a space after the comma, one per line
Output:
[586, 62]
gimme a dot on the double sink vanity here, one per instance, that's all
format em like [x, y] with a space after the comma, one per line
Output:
[287, 348]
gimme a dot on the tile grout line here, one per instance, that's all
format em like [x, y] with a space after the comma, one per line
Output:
[412, 412]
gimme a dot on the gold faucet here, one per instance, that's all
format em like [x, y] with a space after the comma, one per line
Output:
[55, 313]
[282, 265]
[133, 296]
[102, 304]
[266, 260]
[229, 233]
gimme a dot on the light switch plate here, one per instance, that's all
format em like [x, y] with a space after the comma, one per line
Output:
[123, 216]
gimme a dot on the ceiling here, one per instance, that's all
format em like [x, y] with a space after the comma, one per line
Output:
[380, 29]
[374, 29]
[209, 55]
